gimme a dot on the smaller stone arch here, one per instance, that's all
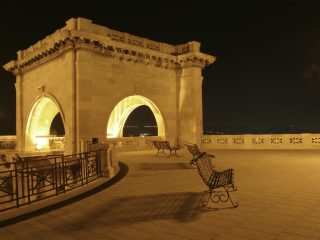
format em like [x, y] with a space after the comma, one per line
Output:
[39, 120]
[123, 109]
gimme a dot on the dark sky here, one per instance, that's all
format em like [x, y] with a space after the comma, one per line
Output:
[267, 73]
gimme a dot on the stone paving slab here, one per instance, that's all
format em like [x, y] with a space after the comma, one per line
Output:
[160, 198]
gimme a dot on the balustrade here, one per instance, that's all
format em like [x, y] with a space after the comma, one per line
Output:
[262, 141]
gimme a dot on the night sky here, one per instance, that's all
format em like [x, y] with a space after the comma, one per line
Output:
[266, 76]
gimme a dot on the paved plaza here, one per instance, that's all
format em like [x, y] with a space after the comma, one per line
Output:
[160, 198]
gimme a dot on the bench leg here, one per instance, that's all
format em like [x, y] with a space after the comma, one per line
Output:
[159, 149]
[173, 153]
[218, 196]
[163, 152]
[158, 152]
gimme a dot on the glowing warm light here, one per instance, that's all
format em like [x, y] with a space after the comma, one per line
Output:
[123, 109]
[41, 142]
[39, 122]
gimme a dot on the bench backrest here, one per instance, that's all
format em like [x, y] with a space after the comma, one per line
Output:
[193, 149]
[165, 145]
[157, 144]
[205, 167]
[162, 144]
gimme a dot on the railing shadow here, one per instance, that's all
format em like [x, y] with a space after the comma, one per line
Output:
[121, 174]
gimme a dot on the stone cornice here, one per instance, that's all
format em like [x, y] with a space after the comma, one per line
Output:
[186, 55]
[195, 59]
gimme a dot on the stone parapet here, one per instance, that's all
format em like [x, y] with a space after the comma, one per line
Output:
[262, 141]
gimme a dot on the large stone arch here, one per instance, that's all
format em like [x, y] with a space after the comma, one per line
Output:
[124, 108]
[90, 68]
[39, 120]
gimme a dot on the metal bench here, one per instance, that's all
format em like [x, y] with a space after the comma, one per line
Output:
[215, 180]
[165, 145]
[158, 146]
[194, 150]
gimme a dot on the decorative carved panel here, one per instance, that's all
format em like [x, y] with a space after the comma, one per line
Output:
[276, 140]
[238, 140]
[296, 140]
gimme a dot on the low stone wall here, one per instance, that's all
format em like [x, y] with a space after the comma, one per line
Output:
[245, 141]
[132, 143]
[7, 142]
[262, 141]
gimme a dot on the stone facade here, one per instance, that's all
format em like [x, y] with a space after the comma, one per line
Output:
[86, 69]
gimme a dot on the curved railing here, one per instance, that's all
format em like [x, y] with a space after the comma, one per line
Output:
[30, 179]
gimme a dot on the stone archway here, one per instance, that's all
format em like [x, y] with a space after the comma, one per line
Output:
[124, 108]
[89, 68]
[39, 122]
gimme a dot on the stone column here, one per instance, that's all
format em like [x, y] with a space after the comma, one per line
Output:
[190, 119]
[190, 106]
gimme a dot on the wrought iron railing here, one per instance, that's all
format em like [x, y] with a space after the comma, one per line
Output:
[35, 178]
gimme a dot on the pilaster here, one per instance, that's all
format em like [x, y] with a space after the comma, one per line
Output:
[19, 113]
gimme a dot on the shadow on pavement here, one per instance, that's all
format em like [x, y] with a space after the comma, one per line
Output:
[165, 166]
[122, 173]
[183, 207]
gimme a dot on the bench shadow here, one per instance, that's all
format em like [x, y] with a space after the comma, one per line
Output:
[182, 207]
[165, 166]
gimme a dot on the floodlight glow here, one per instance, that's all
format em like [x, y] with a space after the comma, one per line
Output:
[122, 111]
[39, 123]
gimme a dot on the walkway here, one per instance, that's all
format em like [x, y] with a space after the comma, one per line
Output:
[278, 195]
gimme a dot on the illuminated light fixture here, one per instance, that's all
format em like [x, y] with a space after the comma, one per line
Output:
[42, 89]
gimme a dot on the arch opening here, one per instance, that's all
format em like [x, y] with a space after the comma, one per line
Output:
[140, 122]
[122, 111]
[57, 127]
[44, 123]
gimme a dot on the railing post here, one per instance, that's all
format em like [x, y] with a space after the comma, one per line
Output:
[26, 167]
[17, 185]
[55, 181]
[64, 183]
[98, 161]
[87, 166]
